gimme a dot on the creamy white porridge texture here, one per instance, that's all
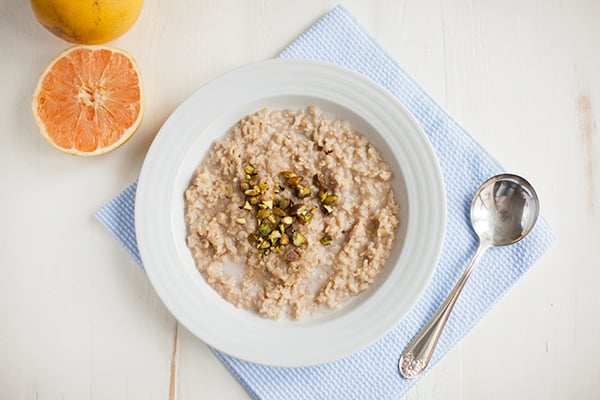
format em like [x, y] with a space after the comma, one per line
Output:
[341, 249]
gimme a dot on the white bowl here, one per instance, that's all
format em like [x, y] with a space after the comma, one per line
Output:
[206, 116]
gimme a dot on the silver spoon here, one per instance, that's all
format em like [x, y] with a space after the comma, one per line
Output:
[504, 210]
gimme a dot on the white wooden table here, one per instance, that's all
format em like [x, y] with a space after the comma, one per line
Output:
[79, 320]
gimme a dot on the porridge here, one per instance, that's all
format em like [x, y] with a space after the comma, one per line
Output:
[291, 211]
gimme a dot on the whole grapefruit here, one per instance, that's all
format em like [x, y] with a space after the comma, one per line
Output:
[87, 21]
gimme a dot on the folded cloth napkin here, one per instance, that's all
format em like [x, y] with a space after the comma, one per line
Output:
[373, 372]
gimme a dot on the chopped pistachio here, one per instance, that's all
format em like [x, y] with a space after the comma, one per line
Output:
[241, 221]
[244, 186]
[255, 191]
[249, 170]
[305, 217]
[274, 235]
[263, 186]
[294, 181]
[326, 240]
[278, 212]
[285, 239]
[265, 229]
[323, 195]
[328, 209]
[264, 245]
[298, 239]
[297, 209]
[264, 213]
[268, 203]
[282, 203]
[287, 220]
[247, 206]
[319, 180]
[331, 200]
[302, 191]
[286, 174]
[253, 200]
[252, 238]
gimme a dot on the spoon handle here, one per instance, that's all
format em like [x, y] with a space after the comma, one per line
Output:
[417, 354]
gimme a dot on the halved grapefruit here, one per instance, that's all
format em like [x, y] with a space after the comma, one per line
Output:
[89, 100]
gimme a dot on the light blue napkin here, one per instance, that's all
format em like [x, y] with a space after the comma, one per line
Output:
[373, 373]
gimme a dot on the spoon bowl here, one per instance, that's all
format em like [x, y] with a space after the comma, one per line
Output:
[503, 211]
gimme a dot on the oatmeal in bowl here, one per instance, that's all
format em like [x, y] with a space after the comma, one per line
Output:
[302, 203]
[267, 232]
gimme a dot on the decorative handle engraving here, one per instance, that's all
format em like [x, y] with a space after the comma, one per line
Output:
[410, 367]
